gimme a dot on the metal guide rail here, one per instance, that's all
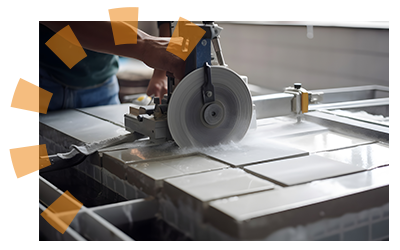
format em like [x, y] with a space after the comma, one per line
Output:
[325, 178]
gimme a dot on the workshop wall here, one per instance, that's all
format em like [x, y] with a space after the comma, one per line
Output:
[277, 56]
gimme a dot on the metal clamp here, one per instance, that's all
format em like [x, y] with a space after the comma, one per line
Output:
[302, 98]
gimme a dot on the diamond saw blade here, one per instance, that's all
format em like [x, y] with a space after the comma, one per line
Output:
[227, 119]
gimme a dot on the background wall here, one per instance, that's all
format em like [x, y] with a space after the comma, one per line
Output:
[277, 56]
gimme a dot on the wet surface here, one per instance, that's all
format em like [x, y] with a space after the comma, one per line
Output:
[365, 156]
[254, 205]
[302, 169]
[273, 141]
[143, 152]
[81, 126]
[283, 126]
[252, 152]
[149, 176]
[159, 170]
[219, 184]
[321, 141]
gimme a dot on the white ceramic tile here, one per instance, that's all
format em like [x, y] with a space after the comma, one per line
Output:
[144, 152]
[159, 170]
[81, 126]
[365, 156]
[283, 126]
[320, 141]
[252, 151]
[302, 169]
[148, 176]
[218, 184]
[264, 203]
[112, 113]
[163, 157]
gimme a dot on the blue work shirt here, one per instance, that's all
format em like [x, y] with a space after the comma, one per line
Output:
[93, 70]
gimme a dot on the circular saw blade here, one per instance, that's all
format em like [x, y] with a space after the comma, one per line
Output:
[227, 119]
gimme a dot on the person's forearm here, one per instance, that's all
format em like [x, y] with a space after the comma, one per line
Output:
[98, 36]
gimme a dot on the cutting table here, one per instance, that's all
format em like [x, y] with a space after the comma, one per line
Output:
[211, 161]
[325, 178]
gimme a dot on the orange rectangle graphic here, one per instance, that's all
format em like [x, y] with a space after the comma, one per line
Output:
[62, 211]
[124, 32]
[185, 38]
[27, 160]
[30, 97]
[124, 24]
[67, 47]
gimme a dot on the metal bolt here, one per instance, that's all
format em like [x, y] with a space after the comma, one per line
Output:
[204, 42]
[209, 93]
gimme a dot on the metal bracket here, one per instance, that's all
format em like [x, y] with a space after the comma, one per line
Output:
[207, 88]
[302, 98]
[215, 30]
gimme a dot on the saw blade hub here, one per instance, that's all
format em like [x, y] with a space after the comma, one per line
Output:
[213, 114]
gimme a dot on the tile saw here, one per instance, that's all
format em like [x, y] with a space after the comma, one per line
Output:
[211, 105]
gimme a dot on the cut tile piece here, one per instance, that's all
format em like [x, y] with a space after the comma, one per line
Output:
[184, 199]
[148, 176]
[365, 156]
[251, 152]
[218, 184]
[302, 169]
[321, 141]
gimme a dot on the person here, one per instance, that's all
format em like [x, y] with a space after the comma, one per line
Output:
[92, 81]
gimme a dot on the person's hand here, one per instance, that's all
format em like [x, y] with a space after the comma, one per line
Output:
[158, 85]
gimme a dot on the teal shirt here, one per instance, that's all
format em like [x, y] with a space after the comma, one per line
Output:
[93, 70]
